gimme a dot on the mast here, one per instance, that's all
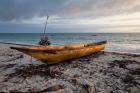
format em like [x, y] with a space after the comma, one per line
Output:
[46, 25]
[44, 40]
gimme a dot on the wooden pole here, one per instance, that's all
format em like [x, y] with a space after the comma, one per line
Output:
[46, 25]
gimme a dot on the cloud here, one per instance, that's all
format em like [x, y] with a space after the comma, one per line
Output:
[27, 9]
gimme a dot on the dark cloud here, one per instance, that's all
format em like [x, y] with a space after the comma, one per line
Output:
[26, 9]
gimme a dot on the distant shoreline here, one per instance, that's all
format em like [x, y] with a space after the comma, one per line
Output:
[72, 33]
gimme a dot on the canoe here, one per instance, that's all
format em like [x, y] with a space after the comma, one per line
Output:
[56, 54]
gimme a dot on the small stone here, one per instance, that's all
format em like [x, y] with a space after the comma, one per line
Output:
[55, 71]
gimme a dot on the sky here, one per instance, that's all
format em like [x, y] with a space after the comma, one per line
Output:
[70, 16]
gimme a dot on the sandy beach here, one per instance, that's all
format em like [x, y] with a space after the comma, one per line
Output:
[104, 72]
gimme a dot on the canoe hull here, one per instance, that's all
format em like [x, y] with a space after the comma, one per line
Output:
[56, 56]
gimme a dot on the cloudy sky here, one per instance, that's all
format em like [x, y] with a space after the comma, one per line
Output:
[97, 16]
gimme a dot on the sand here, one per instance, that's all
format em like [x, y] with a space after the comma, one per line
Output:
[105, 72]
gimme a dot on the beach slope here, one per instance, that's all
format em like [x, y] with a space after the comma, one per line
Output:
[104, 72]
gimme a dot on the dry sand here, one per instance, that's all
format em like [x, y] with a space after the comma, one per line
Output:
[106, 72]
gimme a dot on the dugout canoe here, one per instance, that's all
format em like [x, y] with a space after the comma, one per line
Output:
[56, 54]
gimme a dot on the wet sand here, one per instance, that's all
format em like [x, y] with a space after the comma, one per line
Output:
[104, 72]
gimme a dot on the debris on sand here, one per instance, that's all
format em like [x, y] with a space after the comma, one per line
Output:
[52, 88]
[54, 71]
[130, 77]
[49, 89]
[85, 83]
[29, 71]
[122, 63]
[14, 58]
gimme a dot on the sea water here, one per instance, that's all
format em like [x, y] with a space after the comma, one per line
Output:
[120, 42]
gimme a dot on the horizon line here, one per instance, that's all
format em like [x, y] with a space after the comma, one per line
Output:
[72, 32]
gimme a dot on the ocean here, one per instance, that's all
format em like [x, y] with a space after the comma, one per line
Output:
[120, 42]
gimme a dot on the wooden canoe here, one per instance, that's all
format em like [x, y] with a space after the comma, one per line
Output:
[56, 54]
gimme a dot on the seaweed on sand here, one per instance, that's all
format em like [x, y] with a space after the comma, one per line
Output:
[135, 72]
[14, 58]
[7, 66]
[122, 63]
[49, 89]
[128, 76]
[29, 71]
[130, 80]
